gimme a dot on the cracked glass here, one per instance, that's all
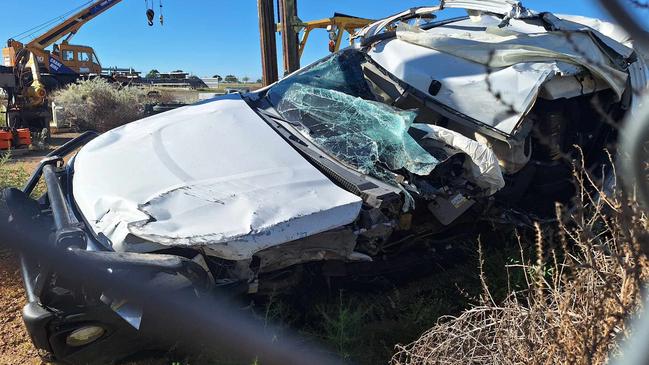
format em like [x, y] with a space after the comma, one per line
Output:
[336, 108]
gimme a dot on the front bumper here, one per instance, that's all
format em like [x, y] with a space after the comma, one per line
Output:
[60, 303]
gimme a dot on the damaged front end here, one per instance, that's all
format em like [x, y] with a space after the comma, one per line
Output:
[71, 319]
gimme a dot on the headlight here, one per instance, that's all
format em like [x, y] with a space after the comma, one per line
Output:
[84, 336]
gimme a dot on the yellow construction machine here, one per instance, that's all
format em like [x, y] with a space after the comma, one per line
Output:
[335, 26]
[64, 58]
[36, 70]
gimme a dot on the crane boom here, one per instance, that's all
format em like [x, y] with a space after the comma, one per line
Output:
[72, 24]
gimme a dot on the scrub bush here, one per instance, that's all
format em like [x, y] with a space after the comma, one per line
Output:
[96, 104]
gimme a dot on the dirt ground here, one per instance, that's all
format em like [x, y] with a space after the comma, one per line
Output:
[15, 345]
[29, 159]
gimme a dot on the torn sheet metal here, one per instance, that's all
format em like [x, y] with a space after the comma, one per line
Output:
[611, 35]
[510, 9]
[212, 175]
[463, 83]
[333, 245]
[482, 167]
[497, 48]
[461, 55]
[380, 25]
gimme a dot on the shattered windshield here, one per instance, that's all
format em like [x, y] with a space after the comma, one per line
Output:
[336, 108]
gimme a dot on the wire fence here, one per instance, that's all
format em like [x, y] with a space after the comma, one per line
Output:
[213, 325]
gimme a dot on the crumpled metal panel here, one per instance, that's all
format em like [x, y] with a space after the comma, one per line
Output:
[491, 74]
[211, 175]
[639, 71]
[379, 26]
[482, 167]
[464, 87]
[368, 135]
[512, 9]
[498, 48]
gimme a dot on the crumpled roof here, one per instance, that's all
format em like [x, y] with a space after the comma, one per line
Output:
[493, 75]
[508, 8]
[497, 48]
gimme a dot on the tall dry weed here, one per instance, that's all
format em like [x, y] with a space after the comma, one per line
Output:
[584, 284]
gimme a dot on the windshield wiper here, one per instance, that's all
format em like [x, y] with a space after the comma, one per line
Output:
[274, 115]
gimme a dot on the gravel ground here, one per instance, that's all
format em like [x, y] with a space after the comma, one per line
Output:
[15, 344]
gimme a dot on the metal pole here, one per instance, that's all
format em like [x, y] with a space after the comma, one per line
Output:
[290, 40]
[267, 29]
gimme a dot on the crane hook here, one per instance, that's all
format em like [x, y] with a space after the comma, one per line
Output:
[150, 14]
[162, 19]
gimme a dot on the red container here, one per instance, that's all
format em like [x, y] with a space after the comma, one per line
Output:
[24, 137]
[5, 140]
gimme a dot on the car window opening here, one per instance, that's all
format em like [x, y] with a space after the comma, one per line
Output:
[349, 108]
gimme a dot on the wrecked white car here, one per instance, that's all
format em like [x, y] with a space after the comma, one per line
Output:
[381, 150]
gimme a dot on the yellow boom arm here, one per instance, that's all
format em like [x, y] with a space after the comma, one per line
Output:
[71, 25]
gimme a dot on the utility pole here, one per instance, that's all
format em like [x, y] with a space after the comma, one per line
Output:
[290, 40]
[267, 29]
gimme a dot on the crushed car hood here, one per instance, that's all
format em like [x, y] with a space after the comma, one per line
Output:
[213, 175]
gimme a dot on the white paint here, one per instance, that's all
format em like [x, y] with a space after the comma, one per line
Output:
[212, 174]
[208, 96]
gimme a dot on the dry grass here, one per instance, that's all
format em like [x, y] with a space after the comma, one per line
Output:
[584, 283]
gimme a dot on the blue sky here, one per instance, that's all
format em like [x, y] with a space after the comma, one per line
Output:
[208, 37]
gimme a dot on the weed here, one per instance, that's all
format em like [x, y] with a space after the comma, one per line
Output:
[15, 175]
[11, 176]
[342, 325]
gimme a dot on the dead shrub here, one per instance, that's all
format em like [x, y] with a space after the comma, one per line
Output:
[96, 104]
[584, 284]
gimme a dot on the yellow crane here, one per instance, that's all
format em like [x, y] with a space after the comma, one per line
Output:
[65, 58]
[37, 70]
